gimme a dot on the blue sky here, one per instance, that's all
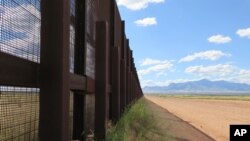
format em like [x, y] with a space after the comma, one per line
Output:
[172, 40]
[186, 40]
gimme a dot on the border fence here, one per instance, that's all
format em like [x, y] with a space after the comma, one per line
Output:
[66, 69]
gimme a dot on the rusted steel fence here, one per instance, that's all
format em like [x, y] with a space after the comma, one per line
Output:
[66, 69]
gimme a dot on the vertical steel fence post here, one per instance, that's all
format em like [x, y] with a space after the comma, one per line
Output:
[123, 69]
[102, 76]
[116, 84]
[54, 71]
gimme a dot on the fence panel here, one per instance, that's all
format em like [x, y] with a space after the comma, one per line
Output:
[20, 23]
[66, 69]
[19, 108]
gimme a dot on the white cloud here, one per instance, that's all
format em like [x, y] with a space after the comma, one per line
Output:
[219, 70]
[137, 4]
[161, 74]
[225, 72]
[149, 21]
[154, 83]
[244, 76]
[164, 83]
[238, 76]
[244, 73]
[146, 83]
[244, 32]
[149, 61]
[156, 68]
[206, 55]
[219, 39]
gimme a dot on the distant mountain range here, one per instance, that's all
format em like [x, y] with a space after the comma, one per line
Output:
[201, 86]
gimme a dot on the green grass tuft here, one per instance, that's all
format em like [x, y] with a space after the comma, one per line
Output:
[136, 124]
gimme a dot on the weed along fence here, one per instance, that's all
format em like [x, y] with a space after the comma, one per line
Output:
[66, 69]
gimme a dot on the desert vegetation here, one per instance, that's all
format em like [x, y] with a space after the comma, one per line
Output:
[137, 124]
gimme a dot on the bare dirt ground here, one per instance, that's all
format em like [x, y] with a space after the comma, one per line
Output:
[212, 117]
[172, 128]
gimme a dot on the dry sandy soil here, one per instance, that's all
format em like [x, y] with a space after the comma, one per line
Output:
[212, 117]
[171, 128]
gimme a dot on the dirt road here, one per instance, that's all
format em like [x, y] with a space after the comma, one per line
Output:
[173, 128]
[212, 117]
